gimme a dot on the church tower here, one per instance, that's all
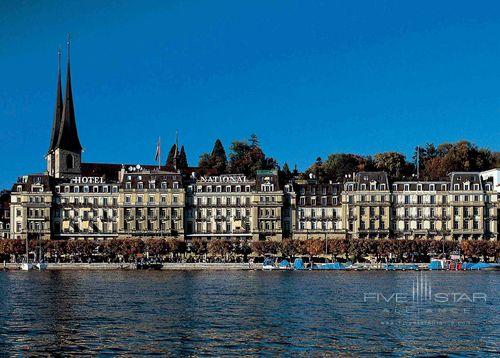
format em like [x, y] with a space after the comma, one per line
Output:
[65, 153]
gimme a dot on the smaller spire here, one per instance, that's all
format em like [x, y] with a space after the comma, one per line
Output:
[58, 107]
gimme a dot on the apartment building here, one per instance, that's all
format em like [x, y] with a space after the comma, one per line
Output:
[318, 210]
[366, 204]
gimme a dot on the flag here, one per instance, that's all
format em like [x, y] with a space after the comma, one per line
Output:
[157, 154]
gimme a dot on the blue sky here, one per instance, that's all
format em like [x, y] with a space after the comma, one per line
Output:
[309, 77]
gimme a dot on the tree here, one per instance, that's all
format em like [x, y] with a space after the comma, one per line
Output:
[246, 158]
[182, 162]
[393, 163]
[156, 246]
[176, 246]
[285, 175]
[171, 157]
[219, 248]
[218, 157]
[314, 247]
[199, 246]
[337, 166]
[437, 162]
[288, 248]
[216, 160]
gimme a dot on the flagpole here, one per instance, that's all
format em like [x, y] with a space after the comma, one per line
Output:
[159, 152]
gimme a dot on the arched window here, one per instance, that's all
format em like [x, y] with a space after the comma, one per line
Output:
[69, 161]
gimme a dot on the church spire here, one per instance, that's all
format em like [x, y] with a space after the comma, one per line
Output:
[58, 108]
[68, 133]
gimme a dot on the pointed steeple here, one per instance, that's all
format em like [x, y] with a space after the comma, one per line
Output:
[68, 133]
[58, 108]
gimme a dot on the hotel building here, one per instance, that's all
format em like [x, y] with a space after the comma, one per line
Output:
[77, 200]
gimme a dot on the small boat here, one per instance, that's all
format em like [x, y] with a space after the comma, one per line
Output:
[284, 265]
[438, 264]
[298, 264]
[268, 264]
[483, 266]
[330, 266]
[408, 267]
[149, 265]
[26, 266]
[41, 266]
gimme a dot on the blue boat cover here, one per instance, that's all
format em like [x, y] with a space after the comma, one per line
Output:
[268, 262]
[467, 265]
[284, 263]
[480, 265]
[330, 266]
[435, 265]
[298, 264]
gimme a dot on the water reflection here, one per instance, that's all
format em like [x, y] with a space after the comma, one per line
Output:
[198, 313]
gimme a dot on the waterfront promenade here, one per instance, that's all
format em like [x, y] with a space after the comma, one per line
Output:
[176, 266]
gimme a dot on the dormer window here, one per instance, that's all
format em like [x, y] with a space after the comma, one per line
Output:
[175, 185]
[76, 189]
[140, 185]
[152, 185]
[432, 187]
[218, 189]
[363, 186]
[419, 187]
[476, 186]
[456, 187]
[86, 189]
[164, 185]
[382, 186]
[128, 185]
[406, 187]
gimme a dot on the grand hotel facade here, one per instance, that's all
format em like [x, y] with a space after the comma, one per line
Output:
[95, 201]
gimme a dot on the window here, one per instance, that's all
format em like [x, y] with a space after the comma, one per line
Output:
[382, 186]
[128, 185]
[175, 185]
[406, 187]
[152, 185]
[140, 185]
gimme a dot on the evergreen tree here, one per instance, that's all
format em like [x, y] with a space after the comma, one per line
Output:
[171, 157]
[285, 175]
[182, 162]
[254, 141]
[218, 157]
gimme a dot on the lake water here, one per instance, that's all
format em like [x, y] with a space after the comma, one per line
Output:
[249, 313]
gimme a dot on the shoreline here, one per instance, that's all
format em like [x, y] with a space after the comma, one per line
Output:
[198, 266]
